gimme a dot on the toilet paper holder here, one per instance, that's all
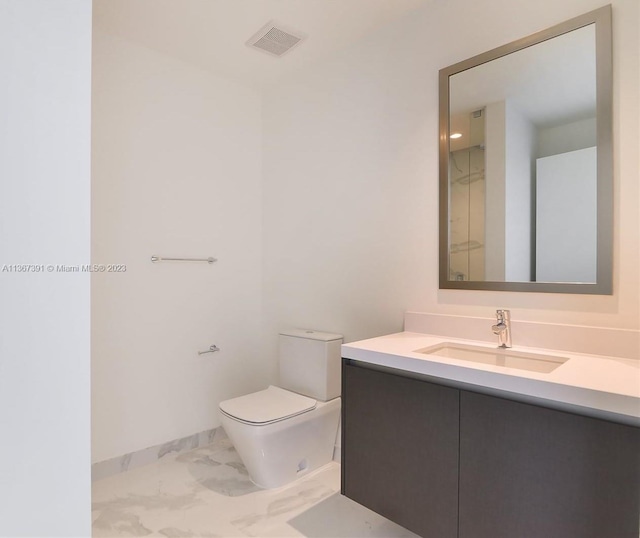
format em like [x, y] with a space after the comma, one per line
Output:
[212, 349]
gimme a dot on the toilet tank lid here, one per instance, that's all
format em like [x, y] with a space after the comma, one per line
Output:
[311, 334]
[267, 406]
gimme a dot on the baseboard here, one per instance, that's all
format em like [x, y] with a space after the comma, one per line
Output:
[120, 464]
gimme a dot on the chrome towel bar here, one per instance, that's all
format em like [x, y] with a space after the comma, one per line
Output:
[155, 259]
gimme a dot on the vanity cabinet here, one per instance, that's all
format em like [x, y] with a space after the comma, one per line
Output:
[449, 462]
[400, 449]
[529, 471]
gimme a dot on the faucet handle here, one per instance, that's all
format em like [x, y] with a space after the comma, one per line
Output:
[503, 327]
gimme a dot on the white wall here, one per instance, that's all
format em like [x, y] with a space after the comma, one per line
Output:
[176, 172]
[351, 168]
[511, 141]
[519, 165]
[496, 190]
[346, 203]
[566, 216]
[45, 59]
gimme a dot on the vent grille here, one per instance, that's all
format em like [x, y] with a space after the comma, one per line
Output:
[273, 39]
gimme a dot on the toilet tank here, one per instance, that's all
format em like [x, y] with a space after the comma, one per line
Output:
[310, 363]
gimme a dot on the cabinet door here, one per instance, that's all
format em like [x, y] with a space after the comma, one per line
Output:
[531, 472]
[400, 449]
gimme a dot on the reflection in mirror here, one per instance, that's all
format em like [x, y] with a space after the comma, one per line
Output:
[526, 164]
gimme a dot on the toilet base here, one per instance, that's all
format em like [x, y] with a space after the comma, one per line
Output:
[276, 454]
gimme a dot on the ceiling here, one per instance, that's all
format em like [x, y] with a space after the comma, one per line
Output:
[212, 33]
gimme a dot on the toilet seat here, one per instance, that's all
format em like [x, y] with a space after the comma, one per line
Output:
[267, 406]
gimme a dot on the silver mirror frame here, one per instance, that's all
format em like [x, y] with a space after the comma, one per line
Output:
[604, 113]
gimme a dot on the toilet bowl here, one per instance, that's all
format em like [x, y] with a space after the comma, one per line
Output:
[282, 433]
[278, 449]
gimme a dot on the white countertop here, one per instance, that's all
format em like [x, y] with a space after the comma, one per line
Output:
[605, 387]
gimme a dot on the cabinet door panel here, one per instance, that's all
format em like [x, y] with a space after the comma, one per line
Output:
[532, 472]
[400, 449]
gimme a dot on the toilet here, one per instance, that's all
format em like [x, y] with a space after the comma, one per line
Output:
[284, 432]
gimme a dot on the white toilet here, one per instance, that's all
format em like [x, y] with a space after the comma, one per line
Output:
[284, 432]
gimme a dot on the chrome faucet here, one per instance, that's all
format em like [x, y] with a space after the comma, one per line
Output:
[503, 328]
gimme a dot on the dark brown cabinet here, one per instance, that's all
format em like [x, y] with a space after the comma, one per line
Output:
[400, 449]
[447, 462]
[535, 472]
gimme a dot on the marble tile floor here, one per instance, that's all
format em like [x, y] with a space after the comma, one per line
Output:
[207, 493]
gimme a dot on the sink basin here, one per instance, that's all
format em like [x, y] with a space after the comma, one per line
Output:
[496, 356]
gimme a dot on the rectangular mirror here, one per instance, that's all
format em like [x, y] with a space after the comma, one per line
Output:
[526, 173]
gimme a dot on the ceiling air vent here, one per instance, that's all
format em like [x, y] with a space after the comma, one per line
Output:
[274, 39]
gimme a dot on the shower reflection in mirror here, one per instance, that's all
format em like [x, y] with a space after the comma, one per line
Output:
[467, 197]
